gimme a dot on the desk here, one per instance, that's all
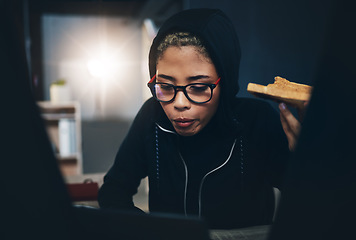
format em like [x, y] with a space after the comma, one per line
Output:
[140, 199]
[250, 233]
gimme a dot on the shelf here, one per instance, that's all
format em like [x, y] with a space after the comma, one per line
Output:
[57, 116]
[47, 106]
[72, 158]
[63, 125]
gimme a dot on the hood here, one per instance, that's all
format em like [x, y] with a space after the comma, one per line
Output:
[219, 37]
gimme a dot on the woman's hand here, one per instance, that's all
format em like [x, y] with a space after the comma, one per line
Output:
[291, 125]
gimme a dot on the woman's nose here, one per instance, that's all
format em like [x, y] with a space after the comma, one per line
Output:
[181, 101]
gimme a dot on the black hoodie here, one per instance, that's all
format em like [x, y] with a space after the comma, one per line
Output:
[224, 174]
[218, 35]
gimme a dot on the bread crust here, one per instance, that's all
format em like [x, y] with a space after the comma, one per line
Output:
[282, 90]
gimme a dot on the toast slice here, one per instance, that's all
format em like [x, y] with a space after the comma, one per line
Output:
[282, 90]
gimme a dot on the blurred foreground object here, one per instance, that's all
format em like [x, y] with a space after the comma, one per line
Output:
[319, 196]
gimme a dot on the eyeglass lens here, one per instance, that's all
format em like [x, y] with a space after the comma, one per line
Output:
[196, 92]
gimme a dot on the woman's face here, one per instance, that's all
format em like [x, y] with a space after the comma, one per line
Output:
[182, 66]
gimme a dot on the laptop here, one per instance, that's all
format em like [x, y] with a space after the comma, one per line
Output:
[116, 224]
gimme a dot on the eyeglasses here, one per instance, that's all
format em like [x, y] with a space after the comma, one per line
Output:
[195, 92]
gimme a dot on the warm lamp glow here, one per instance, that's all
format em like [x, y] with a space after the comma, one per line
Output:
[101, 68]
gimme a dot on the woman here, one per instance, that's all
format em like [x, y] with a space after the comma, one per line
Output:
[205, 151]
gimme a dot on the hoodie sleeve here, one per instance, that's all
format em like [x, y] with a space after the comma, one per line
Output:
[278, 151]
[124, 177]
[267, 139]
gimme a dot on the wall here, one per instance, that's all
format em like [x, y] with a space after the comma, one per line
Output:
[72, 42]
[277, 37]
[108, 104]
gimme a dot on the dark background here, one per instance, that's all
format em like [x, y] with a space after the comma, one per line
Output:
[277, 37]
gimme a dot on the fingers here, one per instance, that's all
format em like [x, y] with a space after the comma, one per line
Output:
[289, 134]
[290, 124]
[302, 110]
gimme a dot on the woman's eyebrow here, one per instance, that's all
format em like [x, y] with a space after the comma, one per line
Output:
[191, 78]
[166, 77]
[198, 77]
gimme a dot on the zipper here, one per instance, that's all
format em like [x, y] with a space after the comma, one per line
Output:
[203, 179]
[185, 170]
[214, 170]
[186, 184]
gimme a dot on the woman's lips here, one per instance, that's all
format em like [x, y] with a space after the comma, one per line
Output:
[183, 122]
